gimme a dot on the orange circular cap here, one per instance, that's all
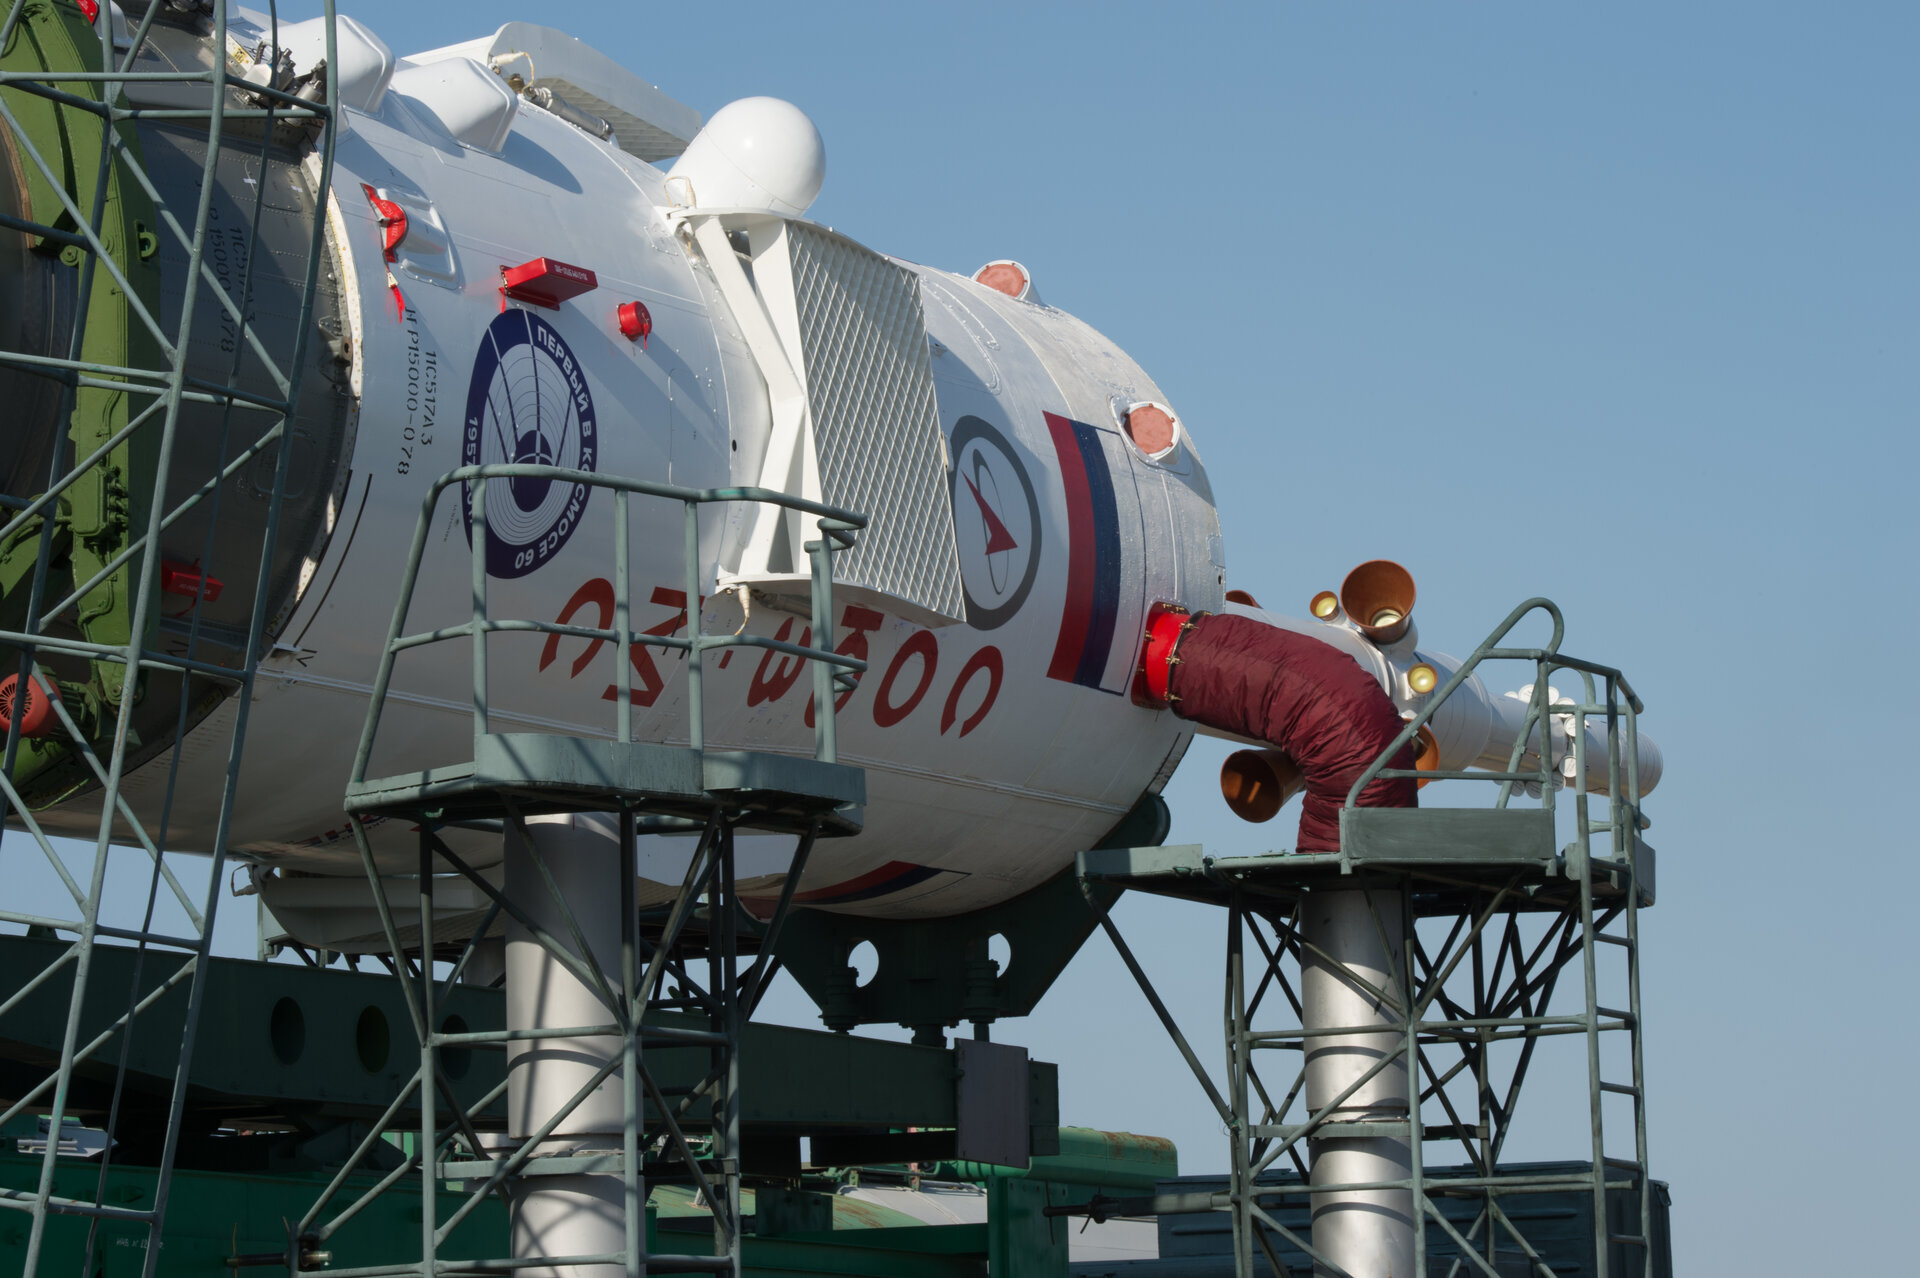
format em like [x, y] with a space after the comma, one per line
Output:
[1379, 596]
[1257, 783]
[1151, 428]
[1010, 278]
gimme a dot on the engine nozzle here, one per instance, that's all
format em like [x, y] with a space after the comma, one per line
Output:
[1378, 596]
[1257, 783]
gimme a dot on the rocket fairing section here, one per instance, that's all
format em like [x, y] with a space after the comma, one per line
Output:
[539, 273]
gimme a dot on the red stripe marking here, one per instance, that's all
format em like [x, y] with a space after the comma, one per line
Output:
[1078, 610]
[762, 907]
[872, 878]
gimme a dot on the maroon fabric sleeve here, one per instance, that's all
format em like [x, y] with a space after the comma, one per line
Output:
[1304, 697]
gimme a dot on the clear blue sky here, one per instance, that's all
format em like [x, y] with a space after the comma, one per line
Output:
[1611, 303]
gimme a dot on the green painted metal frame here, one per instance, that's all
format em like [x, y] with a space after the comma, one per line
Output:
[832, 671]
[92, 89]
[1475, 868]
[436, 1153]
[648, 785]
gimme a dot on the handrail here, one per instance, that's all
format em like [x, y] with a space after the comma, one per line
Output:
[837, 528]
[1622, 748]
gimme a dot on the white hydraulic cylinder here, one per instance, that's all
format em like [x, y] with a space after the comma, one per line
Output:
[574, 1215]
[1366, 1233]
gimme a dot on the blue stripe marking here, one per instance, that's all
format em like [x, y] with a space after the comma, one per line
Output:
[898, 883]
[1106, 564]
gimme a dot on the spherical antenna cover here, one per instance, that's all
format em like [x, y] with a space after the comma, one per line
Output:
[757, 153]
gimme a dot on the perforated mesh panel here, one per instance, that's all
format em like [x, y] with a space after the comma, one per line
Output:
[876, 428]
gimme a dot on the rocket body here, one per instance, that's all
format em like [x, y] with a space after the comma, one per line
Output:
[510, 278]
[997, 739]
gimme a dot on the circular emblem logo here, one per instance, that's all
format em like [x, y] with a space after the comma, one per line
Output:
[528, 403]
[996, 524]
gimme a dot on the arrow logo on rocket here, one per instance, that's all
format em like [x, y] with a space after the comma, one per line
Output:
[998, 538]
[997, 534]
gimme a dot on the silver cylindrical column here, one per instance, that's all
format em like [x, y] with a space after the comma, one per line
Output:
[1368, 1233]
[564, 1215]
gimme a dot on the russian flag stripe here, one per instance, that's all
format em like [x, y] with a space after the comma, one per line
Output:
[1092, 606]
[894, 876]
[1080, 556]
[1106, 560]
[891, 877]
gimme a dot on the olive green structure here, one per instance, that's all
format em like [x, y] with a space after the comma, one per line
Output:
[150, 410]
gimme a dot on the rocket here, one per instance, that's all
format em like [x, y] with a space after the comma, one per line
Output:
[519, 254]
[531, 255]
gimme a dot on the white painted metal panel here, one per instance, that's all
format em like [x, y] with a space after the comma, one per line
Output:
[646, 122]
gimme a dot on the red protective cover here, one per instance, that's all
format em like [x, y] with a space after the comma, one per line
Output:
[1304, 697]
[547, 282]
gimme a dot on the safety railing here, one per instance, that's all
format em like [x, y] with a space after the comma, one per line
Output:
[1621, 708]
[832, 671]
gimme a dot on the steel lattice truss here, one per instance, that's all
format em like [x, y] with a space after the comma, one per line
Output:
[88, 605]
[1490, 954]
[659, 958]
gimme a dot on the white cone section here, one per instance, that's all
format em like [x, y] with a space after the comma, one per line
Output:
[1365, 1232]
[757, 153]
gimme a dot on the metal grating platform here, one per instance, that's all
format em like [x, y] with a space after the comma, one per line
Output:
[1457, 928]
[1441, 872]
[537, 773]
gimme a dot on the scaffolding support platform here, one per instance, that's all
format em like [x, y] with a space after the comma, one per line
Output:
[1476, 915]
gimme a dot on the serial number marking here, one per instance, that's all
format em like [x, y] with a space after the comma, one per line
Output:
[422, 396]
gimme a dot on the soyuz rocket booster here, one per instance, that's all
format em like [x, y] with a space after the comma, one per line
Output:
[531, 255]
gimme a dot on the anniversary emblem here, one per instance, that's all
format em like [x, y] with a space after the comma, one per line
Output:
[528, 403]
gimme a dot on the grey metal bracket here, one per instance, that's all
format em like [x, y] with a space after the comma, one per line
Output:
[935, 973]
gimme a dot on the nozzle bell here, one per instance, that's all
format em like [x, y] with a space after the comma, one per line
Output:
[1257, 783]
[1379, 596]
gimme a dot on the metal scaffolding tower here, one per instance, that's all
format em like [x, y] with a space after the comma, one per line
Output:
[1415, 977]
[142, 390]
[588, 1127]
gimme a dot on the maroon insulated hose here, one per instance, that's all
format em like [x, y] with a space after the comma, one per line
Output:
[1305, 698]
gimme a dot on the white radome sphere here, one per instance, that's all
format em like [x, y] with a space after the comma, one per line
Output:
[757, 153]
